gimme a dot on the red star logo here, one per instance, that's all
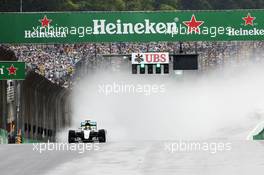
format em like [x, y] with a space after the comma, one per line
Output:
[12, 70]
[193, 24]
[45, 22]
[249, 19]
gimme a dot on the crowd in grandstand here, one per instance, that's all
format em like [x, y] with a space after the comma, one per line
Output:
[57, 62]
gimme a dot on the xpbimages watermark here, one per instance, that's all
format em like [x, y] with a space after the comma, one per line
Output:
[80, 147]
[124, 88]
[184, 146]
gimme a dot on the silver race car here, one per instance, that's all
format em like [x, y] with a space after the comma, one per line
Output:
[87, 133]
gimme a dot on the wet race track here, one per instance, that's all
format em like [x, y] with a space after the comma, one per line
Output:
[149, 157]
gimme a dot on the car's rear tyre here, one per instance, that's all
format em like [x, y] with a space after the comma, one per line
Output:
[71, 136]
[101, 135]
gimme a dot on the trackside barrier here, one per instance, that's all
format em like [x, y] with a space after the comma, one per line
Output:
[3, 136]
[27, 140]
[45, 109]
[259, 136]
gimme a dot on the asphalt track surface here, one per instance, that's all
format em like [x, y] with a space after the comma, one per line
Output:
[133, 158]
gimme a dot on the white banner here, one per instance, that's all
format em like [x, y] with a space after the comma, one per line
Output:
[150, 58]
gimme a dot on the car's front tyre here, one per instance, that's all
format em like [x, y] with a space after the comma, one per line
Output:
[102, 136]
[71, 136]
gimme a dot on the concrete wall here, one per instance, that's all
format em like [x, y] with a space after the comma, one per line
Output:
[3, 104]
[44, 108]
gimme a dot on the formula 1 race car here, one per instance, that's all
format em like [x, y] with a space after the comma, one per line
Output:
[87, 133]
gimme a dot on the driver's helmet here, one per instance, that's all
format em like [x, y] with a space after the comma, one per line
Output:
[87, 127]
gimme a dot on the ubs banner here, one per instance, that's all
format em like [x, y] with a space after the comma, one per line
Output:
[75, 27]
[150, 58]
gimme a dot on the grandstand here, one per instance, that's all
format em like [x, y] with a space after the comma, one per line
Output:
[57, 62]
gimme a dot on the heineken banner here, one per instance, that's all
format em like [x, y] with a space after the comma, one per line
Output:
[12, 70]
[75, 27]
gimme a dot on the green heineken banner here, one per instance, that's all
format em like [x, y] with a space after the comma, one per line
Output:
[75, 27]
[10, 70]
